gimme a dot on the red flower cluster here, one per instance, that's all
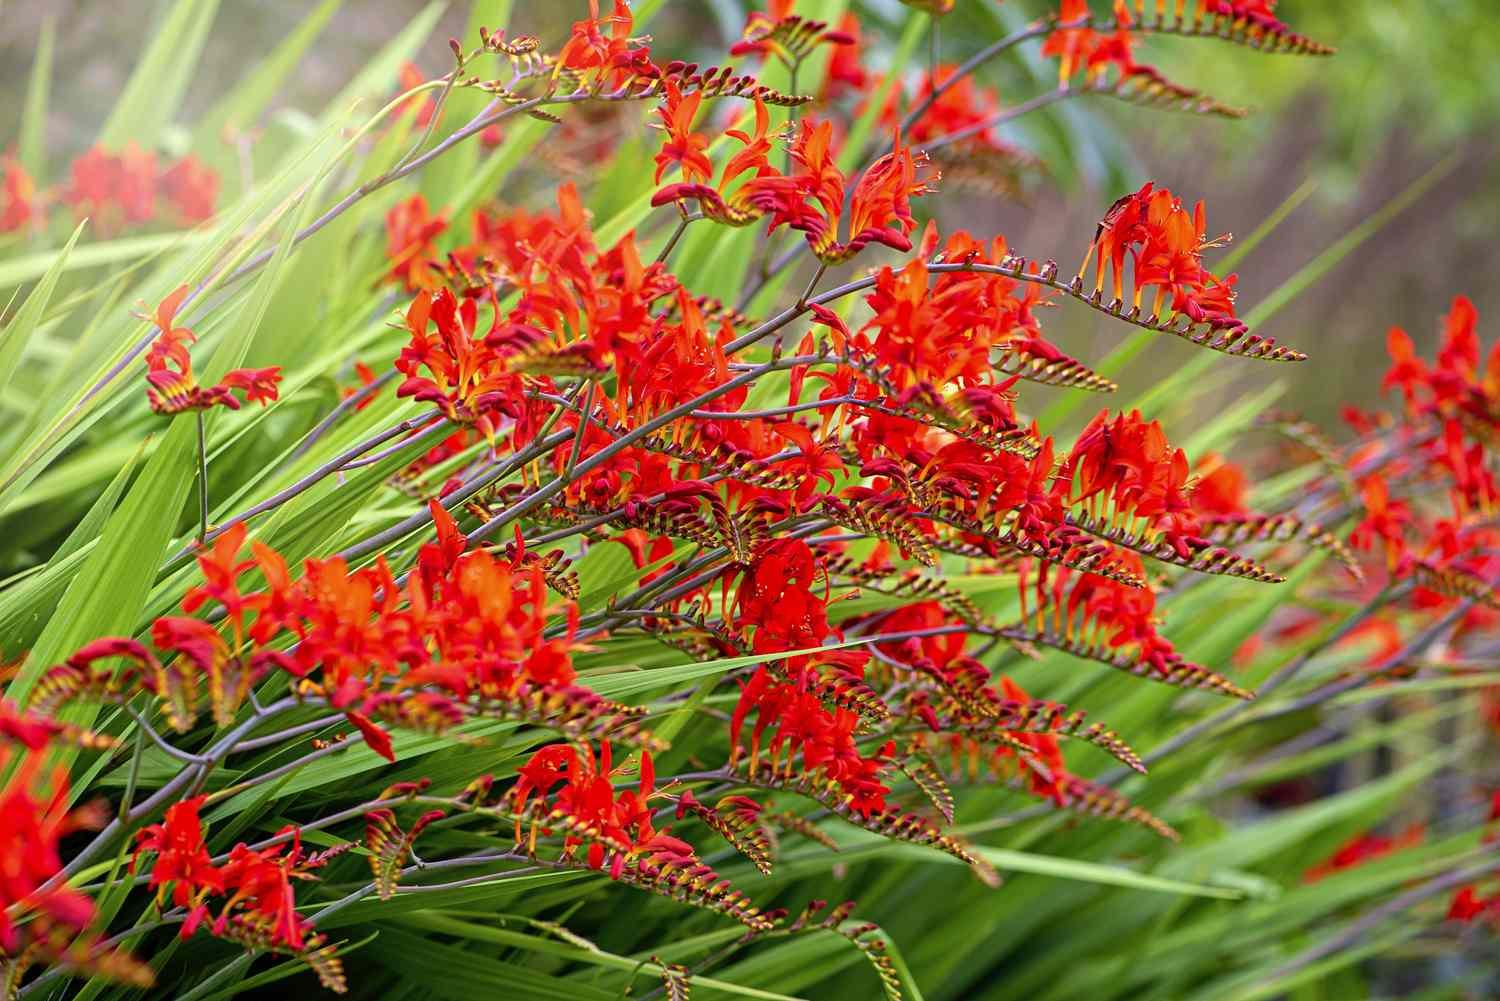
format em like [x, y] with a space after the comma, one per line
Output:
[1123, 470]
[809, 199]
[463, 637]
[1165, 244]
[1101, 612]
[614, 825]
[964, 105]
[410, 232]
[776, 31]
[35, 817]
[1455, 387]
[19, 204]
[1088, 50]
[945, 330]
[846, 73]
[1452, 409]
[469, 380]
[791, 721]
[170, 385]
[41, 918]
[119, 190]
[259, 907]
[601, 51]
[115, 191]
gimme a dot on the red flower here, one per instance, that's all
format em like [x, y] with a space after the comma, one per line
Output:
[683, 146]
[1165, 244]
[614, 825]
[601, 50]
[183, 867]
[468, 378]
[1469, 906]
[846, 70]
[1087, 49]
[170, 385]
[260, 890]
[192, 188]
[1364, 848]
[19, 204]
[1222, 487]
[790, 720]
[1407, 371]
[34, 818]
[1385, 521]
[114, 190]
[410, 233]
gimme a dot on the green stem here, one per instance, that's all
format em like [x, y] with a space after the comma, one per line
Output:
[202, 482]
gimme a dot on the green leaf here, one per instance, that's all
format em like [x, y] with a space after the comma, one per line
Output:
[20, 330]
[32, 147]
[154, 92]
[242, 107]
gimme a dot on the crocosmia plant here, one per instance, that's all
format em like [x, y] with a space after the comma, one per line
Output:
[678, 548]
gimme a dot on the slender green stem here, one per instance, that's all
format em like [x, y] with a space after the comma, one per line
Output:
[202, 481]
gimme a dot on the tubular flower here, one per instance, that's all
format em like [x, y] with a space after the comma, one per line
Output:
[183, 867]
[1090, 611]
[1385, 521]
[170, 385]
[776, 31]
[468, 379]
[19, 204]
[41, 923]
[191, 188]
[962, 107]
[1454, 386]
[811, 198]
[1083, 48]
[258, 907]
[1124, 471]
[1364, 848]
[261, 903]
[34, 815]
[846, 63]
[614, 825]
[683, 146]
[602, 53]
[115, 190]
[1165, 245]
[1222, 488]
[410, 233]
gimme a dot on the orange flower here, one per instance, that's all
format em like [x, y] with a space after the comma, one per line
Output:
[409, 240]
[170, 385]
[114, 190]
[192, 188]
[683, 146]
[601, 50]
[19, 204]
[34, 817]
[183, 867]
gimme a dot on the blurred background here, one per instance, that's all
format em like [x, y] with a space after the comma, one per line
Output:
[1411, 91]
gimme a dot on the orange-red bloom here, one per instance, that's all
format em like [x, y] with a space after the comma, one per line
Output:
[19, 204]
[170, 385]
[192, 189]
